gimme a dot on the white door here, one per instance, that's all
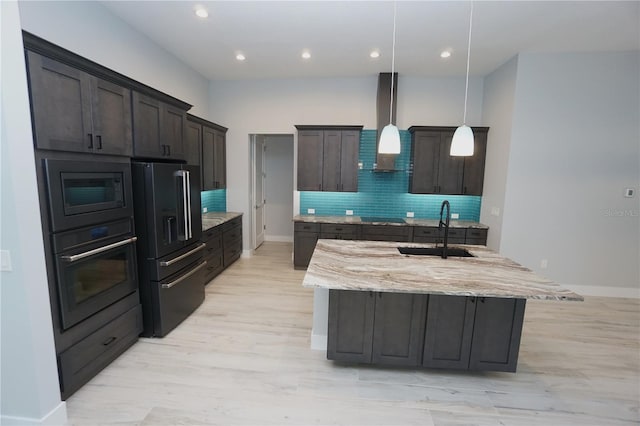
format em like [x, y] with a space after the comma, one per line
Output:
[259, 193]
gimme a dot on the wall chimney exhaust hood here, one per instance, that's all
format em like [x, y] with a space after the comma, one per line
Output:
[385, 162]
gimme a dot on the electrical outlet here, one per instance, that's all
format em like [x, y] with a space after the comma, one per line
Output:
[544, 263]
[455, 216]
[410, 214]
[349, 212]
[5, 260]
[311, 211]
[495, 211]
[360, 165]
[204, 210]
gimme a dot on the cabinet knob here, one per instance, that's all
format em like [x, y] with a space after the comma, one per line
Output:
[90, 140]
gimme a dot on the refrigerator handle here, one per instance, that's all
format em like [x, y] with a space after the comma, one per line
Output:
[185, 218]
[188, 230]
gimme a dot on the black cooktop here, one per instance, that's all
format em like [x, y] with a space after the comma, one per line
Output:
[382, 219]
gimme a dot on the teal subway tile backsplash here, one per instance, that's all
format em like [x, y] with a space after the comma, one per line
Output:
[214, 201]
[384, 194]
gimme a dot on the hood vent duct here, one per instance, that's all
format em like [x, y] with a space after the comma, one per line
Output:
[385, 162]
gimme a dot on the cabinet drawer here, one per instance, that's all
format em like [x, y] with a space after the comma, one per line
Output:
[475, 233]
[231, 252]
[425, 231]
[214, 266]
[372, 230]
[476, 241]
[456, 240]
[85, 359]
[333, 228]
[425, 239]
[232, 235]
[306, 227]
[236, 221]
[210, 233]
[213, 245]
[456, 233]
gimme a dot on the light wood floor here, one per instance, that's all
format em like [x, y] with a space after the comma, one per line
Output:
[243, 358]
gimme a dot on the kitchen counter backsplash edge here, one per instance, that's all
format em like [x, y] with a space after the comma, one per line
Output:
[212, 219]
[357, 220]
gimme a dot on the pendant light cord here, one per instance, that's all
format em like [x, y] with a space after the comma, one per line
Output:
[393, 63]
[466, 87]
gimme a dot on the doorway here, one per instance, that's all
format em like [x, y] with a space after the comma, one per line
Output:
[271, 188]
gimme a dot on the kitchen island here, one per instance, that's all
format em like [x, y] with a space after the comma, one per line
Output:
[384, 307]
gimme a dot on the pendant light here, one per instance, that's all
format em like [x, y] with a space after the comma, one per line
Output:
[462, 142]
[390, 136]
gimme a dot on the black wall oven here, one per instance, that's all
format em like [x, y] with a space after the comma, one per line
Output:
[85, 193]
[96, 266]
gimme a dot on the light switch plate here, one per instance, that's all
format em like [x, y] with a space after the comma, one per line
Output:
[455, 215]
[495, 211]
[5, 260]
[311, 211]
[629, 192]
[409, 214]
[349, 212]
[204, 210]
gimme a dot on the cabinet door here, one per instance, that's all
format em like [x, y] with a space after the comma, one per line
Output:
[425, 152]
[449, 168]
[310, 160]
[474, 166]
[304, 243]
[350, 151]
[173, 131]
[496, 334]
[398, 329]
[147, 119]
[449, 329]
[193, 148]
[208, 158]
[60, 104]
[331, 153]
[350, 333]
[219, 159]
[111, 115]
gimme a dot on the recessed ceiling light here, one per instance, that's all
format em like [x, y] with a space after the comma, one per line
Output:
[445, 54]
[202, 12]
[374, 54]
[240, 57]
[306, 54]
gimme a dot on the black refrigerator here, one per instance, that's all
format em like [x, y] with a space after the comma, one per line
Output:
[168, 222]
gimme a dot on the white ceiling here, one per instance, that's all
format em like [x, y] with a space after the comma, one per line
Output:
[340, 34]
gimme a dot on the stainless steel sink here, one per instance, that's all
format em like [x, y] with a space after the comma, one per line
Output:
[434, 251]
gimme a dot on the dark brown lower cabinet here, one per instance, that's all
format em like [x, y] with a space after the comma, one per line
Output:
[474, 333]
[435, 331]
[379, 328]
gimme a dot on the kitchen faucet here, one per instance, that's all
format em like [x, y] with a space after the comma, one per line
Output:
[445, 203]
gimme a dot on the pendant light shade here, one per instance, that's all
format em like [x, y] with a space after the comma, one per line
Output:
[389, 140]
[462, 142]
[390, 137]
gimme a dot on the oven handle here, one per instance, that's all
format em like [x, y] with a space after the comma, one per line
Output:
[185, 276]
[102, 249]
[182, 256]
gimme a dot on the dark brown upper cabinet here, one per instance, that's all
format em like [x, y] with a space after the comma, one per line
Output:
[206, 147]
[328, 158]
[434, 171]
[76, 111]
[159, 129]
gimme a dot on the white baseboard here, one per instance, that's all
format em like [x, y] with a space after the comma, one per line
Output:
[279, 238]
[56, 417]
[246, 253]
[318, 342]
[604, 291]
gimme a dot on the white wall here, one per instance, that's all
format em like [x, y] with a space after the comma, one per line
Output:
[497, 114]
[29, 390]
[91, 30]
[279, 187]
[276, 106]
[574, 148]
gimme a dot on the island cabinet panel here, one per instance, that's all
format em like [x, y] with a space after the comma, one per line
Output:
[473, 333]
[379, 328]
[386, 233]
[447, 340]
[351, 319]
[398, 329]
[305, 237]
[76, 111]
[328, 158]
[496, 334]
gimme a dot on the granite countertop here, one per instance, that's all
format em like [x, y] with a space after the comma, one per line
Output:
[404, 222]
[379, 266]
[211, 219]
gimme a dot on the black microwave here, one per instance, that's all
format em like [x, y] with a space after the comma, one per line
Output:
[85, 193]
